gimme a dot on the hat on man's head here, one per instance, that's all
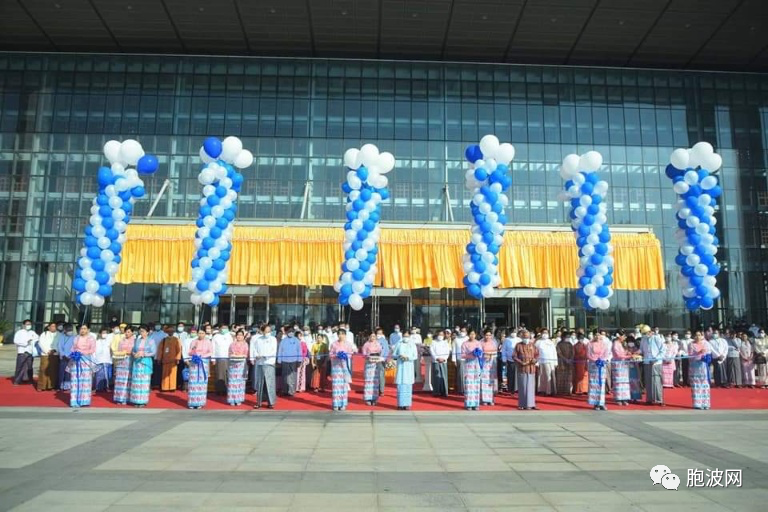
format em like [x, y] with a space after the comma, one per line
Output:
[645, 329]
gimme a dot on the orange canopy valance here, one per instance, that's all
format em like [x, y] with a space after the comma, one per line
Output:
[408, 258]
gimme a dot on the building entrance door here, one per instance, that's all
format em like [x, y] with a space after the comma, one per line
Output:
[393, 310]
[498, 312]
[533, 312]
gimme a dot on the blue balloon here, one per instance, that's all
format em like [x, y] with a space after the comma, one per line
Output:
[346, 188]
[125, 195]
[213, 200]
[607, 280]
[602, 291]
[590, 271]
[374, 216]
[208, 242]
[362, 173]
[212, 147]
[596, 199]
[365, 266]
[93, 252]
[105, 176]
[371, 259]
[671, 171]
[474, 290]
[604, 236]
[229, 215]
[98, 264]
[105, 290]
[713, 269]
[692, 303]
[496, 176]
[473, 153]
[102, 277]
[91, 241]
[215, 232]
[471, 248]
[587, 188]
[215, 301]
[384, 192]
[237, 181]
[584, 230]
[466, 281]
[224, 288]
[199, 223]
[138, 192]
[485, 279]
[493, 248]
[356, 245]
[687, 271]
[118, 259]
[596, 259]
[344, 300]
[588, 220]
[488, 237]
[218, 265]
[601, 249]
[707, 302]
[358, 275]
[369, 225]
[203, 285]
[78, 285]
[147, 164]
[365, 194]
[575, 203]
[211, 274]
[222, 223]
[680, 260]
[221, 191]
[480, 267]
[593, 209]
[481, 174]
[358, 204]
[195, 262]
[108, 222]
[112, 234]
[102, 200]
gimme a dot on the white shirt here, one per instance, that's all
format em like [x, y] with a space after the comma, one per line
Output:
[103, 354]
[25, 341]
[440, 349]
[683, 344]
[263, 350]
[719, 348]
[47, 340]
[458, 343]
[186, 342]
[547, 351]
[221, 343]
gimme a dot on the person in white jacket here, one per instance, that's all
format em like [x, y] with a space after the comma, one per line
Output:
[24, 339]
[263, 353]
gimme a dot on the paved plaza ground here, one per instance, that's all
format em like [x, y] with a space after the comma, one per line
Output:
[127, 459]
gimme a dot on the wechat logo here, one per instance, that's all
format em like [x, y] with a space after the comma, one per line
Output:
[661, 474]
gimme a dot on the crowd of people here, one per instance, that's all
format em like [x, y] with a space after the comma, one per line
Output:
[129, 361]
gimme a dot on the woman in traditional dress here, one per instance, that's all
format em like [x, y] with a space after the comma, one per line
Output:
[301, 372]
[144, 350]
[200, 351]
[472, 371]
[122, 362]
[761, 363]
[668, 366]
[747, 354]
[564, 370]
[406, 353]
[237, 370]
[580, 378]
[698, 369]
[634, 363]
[620, 370]
[341, 376]
[320, 362]
[372, 353]
[81, 368]
[596, 355]
[488, 371]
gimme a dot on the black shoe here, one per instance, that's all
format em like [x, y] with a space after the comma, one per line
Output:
[257, 406]
[270, 406]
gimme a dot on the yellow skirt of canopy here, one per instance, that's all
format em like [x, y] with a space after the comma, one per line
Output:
[408, 258]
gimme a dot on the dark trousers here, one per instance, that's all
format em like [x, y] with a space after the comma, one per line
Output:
[23, 368]
[719, 373]
[439, 379]
[63, 375]
[382, 372]
[157, 373]
[180, 383]
[511, 377]
[685, 365]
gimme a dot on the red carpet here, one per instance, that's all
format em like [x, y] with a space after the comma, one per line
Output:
[676, 399]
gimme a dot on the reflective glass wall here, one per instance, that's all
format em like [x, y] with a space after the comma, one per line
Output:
[298, 116]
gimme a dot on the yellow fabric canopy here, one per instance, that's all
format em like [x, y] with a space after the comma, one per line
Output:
[408, 258]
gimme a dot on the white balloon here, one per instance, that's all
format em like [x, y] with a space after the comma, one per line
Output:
[230, 148]
[206, 176]
[205, 263]
[207, 296]
[130, 152]
[713, 162]
[356, 302]
[505, 153]
[700, 269]
[692, 260]
[206, 159]
[591, 161]
[679, 158]
[702, 149]
[709, 182]
[473, 277]
[481, 248]
[585, 200]
[588, 250]
[489, 145]
[217, 211]
[86, 298]
[681, 187]
[570, 165]
[386, 162]
[691, 177]
[353, 180]
[369, 154]
[112, 151]
[243, 159]
[353, 264]
[358, 287]
[590, 290]
[214, 253]
[350, 157]
[107, 255]
[92, 286]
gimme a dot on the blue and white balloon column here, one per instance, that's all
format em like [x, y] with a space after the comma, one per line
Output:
[366, 188]
[697, 188]
[586, 193]
[488, 179]
[218, 208]
[119, 187]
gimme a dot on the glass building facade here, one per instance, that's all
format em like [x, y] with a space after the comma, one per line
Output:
[298, 117]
